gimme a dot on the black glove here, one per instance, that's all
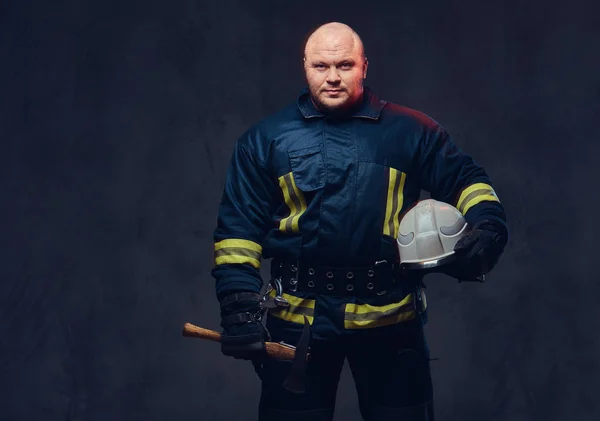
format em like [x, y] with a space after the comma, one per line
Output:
[479, 250]
[244, 335]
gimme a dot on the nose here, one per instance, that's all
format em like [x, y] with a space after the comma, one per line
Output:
[333, 77]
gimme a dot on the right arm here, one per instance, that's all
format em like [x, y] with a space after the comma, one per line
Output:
[243, 221]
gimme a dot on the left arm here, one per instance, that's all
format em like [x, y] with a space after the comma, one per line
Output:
[453, 177]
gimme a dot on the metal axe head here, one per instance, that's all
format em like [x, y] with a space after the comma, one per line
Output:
[296, 379]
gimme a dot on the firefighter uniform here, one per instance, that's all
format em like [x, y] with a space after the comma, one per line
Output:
[322, 196]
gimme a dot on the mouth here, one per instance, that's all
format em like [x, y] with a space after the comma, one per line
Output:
[333, 91]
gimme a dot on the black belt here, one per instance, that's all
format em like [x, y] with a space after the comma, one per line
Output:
[372, 280]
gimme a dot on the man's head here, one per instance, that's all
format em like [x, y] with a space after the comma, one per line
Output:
[335, 67]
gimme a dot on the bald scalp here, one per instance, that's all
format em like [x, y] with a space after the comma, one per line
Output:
[333, 32]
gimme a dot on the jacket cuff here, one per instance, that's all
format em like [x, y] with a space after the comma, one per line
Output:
[489, 215]
[491, 211]
[231, 286]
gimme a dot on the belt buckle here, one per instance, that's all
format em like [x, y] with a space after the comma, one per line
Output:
[379, 263]
[294, 281]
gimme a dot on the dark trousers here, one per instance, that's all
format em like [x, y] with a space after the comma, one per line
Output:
[390, 367]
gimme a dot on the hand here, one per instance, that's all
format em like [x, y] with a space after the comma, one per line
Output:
[244, 335]
[479, 250]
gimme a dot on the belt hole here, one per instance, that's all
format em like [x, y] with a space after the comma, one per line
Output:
[370, 285]
[370, 273]
[350, 275]
[311, 284]
[330, 287]
[350, 287]
[293, 281]
[311, 271]
[330, 275]
[293, 268]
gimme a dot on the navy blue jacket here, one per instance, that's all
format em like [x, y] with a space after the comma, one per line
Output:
[303, 185]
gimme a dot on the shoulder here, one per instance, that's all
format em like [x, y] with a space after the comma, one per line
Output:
[394, 113]
[400, 113]
[422, 130]
[260, 140]
[270, 127]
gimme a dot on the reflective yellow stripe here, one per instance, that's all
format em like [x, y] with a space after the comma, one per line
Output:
[238, 243]
[364, 316]
[237, 250]
[298, 308]
[395, 200]
[475, 194]
[295, 201]
[478, 199]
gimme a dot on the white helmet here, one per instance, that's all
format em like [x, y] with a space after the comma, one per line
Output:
[428, 233]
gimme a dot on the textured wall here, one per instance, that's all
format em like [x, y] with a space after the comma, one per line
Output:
[116, 124]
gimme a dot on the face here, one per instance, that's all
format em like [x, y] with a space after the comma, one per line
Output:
[335, 70]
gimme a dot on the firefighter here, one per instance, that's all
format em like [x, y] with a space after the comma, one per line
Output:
[319, 188]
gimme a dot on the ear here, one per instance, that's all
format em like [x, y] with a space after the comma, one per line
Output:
[366, 66]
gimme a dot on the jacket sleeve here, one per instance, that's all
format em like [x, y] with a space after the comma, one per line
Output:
[452, 176]
[243, 221]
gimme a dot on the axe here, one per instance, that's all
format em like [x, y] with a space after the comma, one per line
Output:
[295, 382]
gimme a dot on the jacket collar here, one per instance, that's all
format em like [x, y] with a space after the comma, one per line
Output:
[370, 106]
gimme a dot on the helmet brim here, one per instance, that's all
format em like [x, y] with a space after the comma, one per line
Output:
[429, 264]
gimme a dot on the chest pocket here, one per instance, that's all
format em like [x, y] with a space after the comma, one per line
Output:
[308, 168]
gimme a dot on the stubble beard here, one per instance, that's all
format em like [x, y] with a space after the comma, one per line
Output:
[337, 107]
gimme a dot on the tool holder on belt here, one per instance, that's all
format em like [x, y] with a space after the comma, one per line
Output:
[278, 300]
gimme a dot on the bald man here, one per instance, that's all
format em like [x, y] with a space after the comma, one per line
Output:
[335, 66]
[319, 188]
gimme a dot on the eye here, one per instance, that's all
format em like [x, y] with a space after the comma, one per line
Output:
[346, 65]
[319, 66]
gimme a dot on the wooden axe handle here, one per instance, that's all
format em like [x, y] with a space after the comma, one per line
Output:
[273, 349]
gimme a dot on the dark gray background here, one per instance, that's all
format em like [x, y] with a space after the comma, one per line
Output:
[117, 120]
